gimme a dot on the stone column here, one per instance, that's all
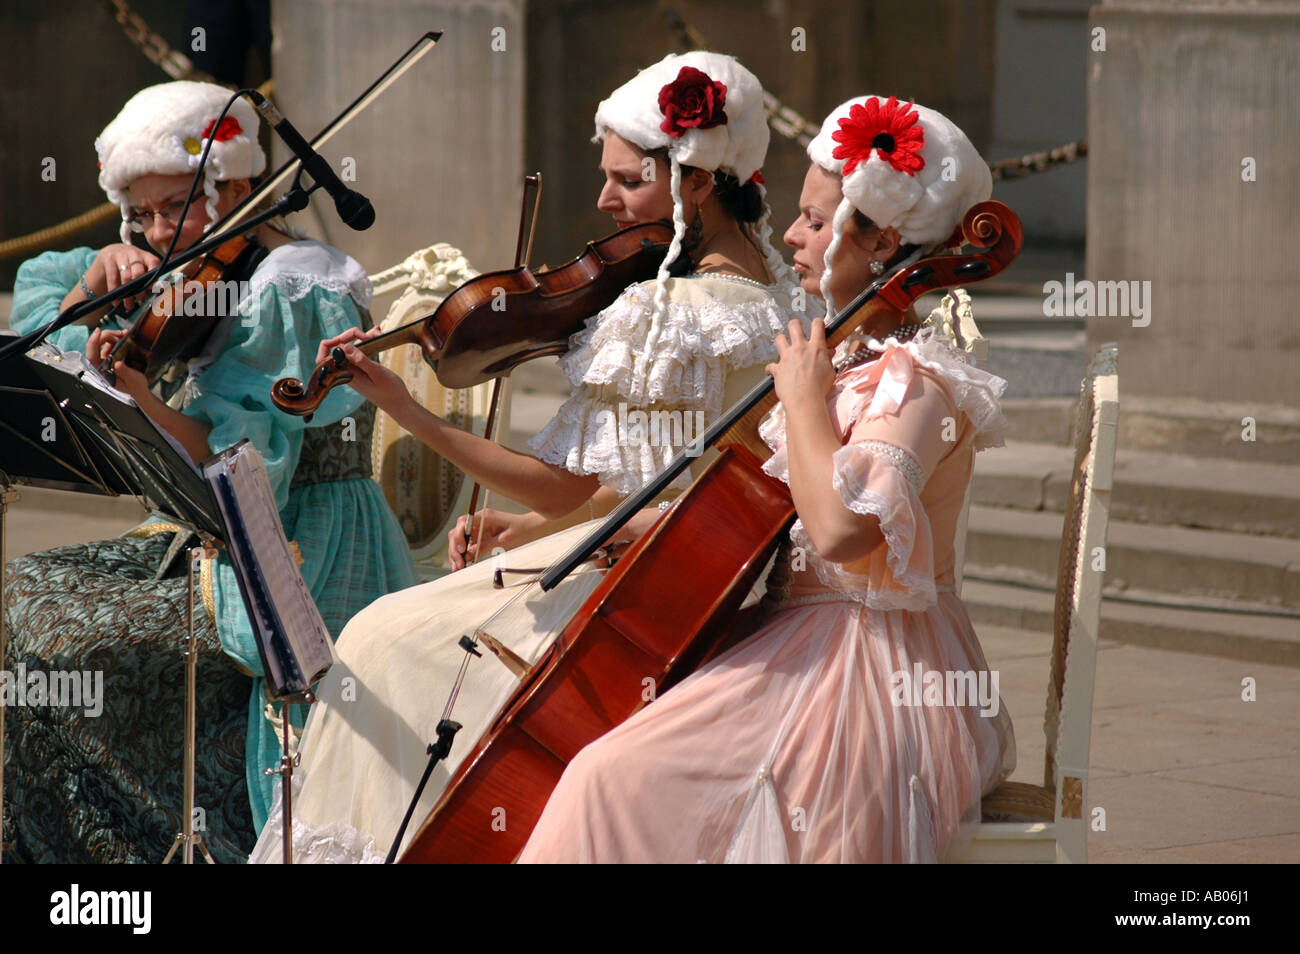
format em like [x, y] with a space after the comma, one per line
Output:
[1193, 187]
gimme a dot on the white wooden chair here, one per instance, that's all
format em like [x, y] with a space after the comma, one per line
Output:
[1023, 822]
[426, 492]
[955, 317]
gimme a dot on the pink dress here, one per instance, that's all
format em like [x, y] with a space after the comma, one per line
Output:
[860, 722]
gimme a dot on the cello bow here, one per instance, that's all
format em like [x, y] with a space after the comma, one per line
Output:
[522, 255]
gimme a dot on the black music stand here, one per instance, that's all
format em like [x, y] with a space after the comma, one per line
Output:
[63, 427]
[68, 430]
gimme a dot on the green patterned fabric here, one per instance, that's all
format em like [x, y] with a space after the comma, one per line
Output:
[108, 788]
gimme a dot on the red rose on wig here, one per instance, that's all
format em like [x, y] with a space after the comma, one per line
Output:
[894, 131]
[228, 129]
[692, 101]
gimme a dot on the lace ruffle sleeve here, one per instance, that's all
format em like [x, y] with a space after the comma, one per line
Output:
[626, 420]
[903, 413]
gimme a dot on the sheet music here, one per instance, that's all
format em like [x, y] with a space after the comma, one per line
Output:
[76, 362]
[296, 645]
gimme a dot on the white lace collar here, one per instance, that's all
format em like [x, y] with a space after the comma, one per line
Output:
[298, 267]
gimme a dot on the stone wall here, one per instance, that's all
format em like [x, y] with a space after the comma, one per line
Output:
[1192, 186]
[439, 152]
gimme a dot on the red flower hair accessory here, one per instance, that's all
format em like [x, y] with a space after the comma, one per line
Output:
[692, 101]
[228, 129]
[893, 130]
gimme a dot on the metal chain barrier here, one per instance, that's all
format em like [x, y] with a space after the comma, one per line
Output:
[156, 49]
[790, 124]
[1039, 161]
[172, 62]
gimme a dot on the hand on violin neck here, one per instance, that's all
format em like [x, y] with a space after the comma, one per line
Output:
[113, 266]
[99, 346]
[352, 335]
[370, 379]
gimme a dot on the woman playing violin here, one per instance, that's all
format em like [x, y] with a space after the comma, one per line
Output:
[108, 788]
[682, 141]
[819, 738]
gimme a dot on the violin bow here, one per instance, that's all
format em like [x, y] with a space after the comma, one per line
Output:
[522, 255]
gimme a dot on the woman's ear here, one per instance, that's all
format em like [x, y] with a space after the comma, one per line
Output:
[888, 243]
[238, 189]
[878, 244]
[697, 187]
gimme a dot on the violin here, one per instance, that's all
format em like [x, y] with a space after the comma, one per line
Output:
[175, 324]
[594, 676]
[498, 320]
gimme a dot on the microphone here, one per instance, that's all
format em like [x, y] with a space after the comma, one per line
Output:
[353, 208]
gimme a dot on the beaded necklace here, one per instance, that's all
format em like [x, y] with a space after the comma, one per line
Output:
[863, 355]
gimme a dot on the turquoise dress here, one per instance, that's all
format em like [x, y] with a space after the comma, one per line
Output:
[83, 789]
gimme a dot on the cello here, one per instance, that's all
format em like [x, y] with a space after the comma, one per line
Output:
[627, 637]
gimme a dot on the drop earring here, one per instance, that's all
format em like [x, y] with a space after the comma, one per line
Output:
[694, 233]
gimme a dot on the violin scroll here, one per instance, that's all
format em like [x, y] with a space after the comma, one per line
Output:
[293, 397]
[991, 227]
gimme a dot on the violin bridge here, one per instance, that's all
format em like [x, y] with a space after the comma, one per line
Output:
[597, 556]
[498, 575]
[512, 661]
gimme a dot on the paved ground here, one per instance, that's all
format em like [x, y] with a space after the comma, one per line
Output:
[1185, 770]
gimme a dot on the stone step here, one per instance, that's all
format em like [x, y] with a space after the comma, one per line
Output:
[1022, 546]
[1156, 488]
[1187, 426]
[1040, 420]
[1248, 638]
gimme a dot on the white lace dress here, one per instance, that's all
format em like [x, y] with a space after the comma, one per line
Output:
[860, 723]
[363, 749]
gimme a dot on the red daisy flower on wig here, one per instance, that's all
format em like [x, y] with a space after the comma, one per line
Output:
[893, 130]
[228, 129]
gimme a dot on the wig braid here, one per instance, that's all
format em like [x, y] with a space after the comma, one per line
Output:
[126, 228]
[210, 190]
[661, 279]
[842, 213]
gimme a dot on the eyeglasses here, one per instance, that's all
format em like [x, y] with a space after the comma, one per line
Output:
[142, 219]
